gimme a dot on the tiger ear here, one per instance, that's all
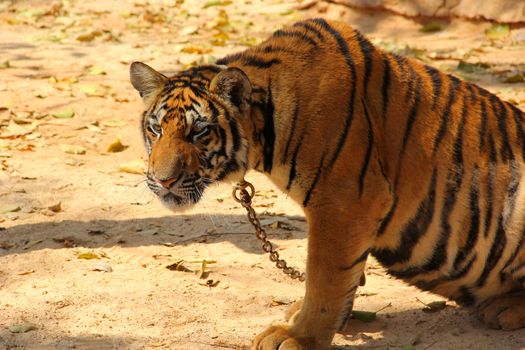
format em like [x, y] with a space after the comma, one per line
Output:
[145, 79]
[234, 85]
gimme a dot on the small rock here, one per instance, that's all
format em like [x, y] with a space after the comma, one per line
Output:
[102, 266]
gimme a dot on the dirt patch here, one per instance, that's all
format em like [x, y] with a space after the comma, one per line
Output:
[65, 98]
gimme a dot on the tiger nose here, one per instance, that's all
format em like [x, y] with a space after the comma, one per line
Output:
[168, 182]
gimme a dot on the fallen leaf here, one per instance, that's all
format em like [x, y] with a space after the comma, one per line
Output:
[9, 208]
[281, 301]
[196, 49]
[73, 149]
[87, 37]
[114, 123]
[93, 90]
[514, 78]
[56, 208]
[498, 31]
[22, 328]
[216, 3]
[433, 306]
[65, 114]
[74, 162]
[178, 266]
[14, 130]
[430, 27]
[88, 255]
[96, 70]
[189, 30]
[5, 64]
[133, 167]
[116, 146]
[26, 272]
[472, 67]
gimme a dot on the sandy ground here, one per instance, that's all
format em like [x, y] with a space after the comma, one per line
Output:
[73, 56]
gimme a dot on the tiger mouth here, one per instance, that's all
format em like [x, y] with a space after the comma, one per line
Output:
[186, 193]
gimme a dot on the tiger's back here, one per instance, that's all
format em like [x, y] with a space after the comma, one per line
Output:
[387, 156]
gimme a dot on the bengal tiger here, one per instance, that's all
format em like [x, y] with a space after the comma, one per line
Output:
[386, 155]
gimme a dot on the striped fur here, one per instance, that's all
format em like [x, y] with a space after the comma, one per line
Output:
[387, 156]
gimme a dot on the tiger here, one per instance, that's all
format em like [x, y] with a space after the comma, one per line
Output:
[387, 156]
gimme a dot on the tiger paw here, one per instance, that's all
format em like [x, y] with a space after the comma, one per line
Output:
[505, 312]
[279, 337]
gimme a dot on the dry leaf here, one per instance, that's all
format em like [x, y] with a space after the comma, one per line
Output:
[65, 114]
[73, 149]
[56, 208]
[87, 37]
[96, 70]
[22, 328]
[14, 130]
[9, 208]
[26, 273]
[116, 146]
[178, 266]
[88, 255]
[93, 90]
[430, 27]
[114, 123]
[133, 167]
[498, 31]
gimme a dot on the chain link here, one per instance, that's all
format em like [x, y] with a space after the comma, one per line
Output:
[243, 193]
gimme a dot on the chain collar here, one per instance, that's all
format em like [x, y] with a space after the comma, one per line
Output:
[243, 193]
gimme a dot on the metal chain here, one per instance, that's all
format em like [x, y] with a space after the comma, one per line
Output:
[243, 193]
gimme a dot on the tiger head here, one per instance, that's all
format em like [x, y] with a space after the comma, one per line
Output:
[192, 128]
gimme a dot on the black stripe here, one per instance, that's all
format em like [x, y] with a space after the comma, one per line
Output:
[513, 256]
[411, 116]
[466, 297]
[452, 188]
[501, 116]
[388, 217]
[368, 154]
[490, 187]
[292, 130]
[412, 272]
[500, 239]
[483, 126]
[343, 47]
[401, 63]
[293, 163]
[268, 131]
[455, 83]
[297, 35]
[234, 131]
[435, 77]
[410, 86]
[387, 70]
[360, 259]
[367, 50]
[413, 230]
[517, 116]
[248, 60]
[473, 232]
[314, 182]
[310, 28]
[495, 253]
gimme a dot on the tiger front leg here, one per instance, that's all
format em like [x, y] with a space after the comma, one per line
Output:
[335, 264]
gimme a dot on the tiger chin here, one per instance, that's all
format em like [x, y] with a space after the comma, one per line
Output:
[386, 155]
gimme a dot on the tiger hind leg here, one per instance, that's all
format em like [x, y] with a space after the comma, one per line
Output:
[505, 311]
